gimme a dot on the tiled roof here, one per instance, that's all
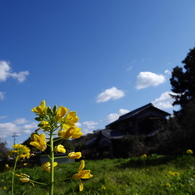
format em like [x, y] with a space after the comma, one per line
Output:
[136, 112]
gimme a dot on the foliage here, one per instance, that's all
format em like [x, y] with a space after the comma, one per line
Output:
[183, 81]
[180, 133]
[3, 149]
[162, 175]
[129, 146]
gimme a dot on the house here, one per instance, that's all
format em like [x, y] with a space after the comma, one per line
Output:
[144, 121]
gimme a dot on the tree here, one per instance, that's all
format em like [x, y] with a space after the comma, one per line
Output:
[183, 86]
[183, 82]
[3, 149]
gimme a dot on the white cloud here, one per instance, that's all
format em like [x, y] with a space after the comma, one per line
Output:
[27, 131]
[78, 124]
[123, 111]
[86, 131]
[32, 125]
[1, 117]
[147, 79]
[114, 116]
[2, 95]
[108, 94]
[90, 124]
[6, 72]
[21, 76]
[129, 68]
[168, 72]
[8, 129]
[20, 121]
[164, 101]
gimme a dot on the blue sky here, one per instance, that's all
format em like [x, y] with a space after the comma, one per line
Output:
[101, 58]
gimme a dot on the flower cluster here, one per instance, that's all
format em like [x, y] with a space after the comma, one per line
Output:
[20, 150]
[57, 118]
[54, 119]
[63, 121]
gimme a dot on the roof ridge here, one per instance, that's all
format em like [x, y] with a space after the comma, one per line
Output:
[140, 108]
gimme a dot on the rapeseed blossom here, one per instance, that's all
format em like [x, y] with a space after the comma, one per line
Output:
[71, 133]
[172, 173]
[39, 141]
[82, 174]
[61, 112]
[21, 150]
[74, 155]
[103, 188]
[144, 155]
[168, 185]
[47, 166]
[24, 178]
[60, 148]
[189, 151]
[41, 110]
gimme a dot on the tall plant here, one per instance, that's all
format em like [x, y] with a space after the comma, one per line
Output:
[52, 122]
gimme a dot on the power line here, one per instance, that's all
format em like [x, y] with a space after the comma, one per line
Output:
[14, 136]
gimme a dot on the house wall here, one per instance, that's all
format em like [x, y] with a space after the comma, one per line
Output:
[44, 158]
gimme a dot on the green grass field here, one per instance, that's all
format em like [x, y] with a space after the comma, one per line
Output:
[154, 175]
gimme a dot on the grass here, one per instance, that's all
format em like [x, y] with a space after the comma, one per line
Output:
[154, 175]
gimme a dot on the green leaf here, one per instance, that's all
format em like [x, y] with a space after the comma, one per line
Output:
[38, 118]
[40, 125]
[55, 109]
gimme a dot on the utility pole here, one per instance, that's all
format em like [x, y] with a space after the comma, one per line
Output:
[14, 136]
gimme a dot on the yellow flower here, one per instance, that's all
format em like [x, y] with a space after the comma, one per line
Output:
[168, 184]
[60, 148]
[38, 141]
[174, 173]
[24, 178]
[82, 174]
[41, 110]
[44, 125]
[189, 151]
[74, 155]
[23, 156]
[4, 187]
[47, 166]
[21, 150]
[25, 164]
[144, 155]
[72, 133]
[103, 188]
[69, 120]
[6, 166]
[61, 112]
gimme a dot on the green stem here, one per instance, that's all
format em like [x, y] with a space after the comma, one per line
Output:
[13, 175]
[51, 164]
[38, 182]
